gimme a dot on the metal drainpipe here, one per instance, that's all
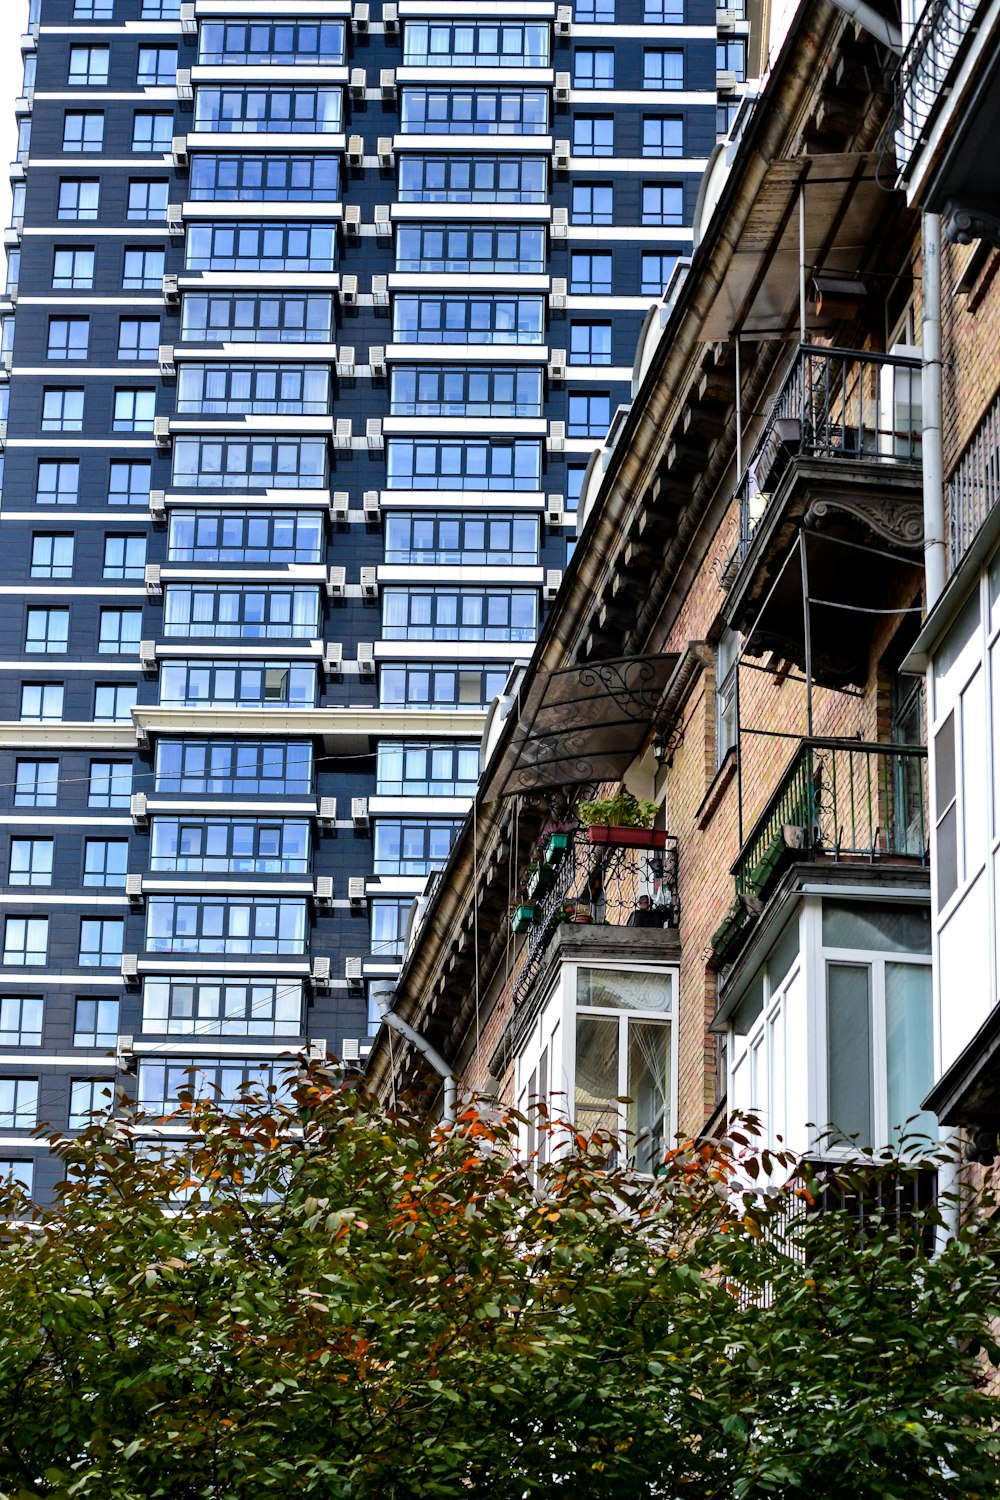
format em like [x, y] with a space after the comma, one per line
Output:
[931, 455]
[932, 463]
[426, 1050]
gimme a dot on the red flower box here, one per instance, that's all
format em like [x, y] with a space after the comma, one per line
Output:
[628, 838]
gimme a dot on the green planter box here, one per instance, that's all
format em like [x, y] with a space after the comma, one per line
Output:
[556, 847]
[729, 929]
[539, 880]
[524, 916]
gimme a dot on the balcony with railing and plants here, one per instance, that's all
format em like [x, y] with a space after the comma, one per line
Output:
[597, 875]
[829, 508]
[838, 801]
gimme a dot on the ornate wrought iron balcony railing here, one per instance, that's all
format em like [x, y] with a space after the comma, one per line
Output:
[841, 799]
[835, 404]
[604, 883]
[938, 40]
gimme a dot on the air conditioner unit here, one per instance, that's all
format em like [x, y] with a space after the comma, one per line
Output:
[340, 505]
[387, 83]
[383, 222]
[152, 579]
[348, 290]
[336, 582]
[175, 218]
[376, 360]
[316, 1052]
[158, 505]
[130, 970]
[360, 17]
[161, 431]
[725, 81]
[557, 364]
[133, 890]
[358, 84]
[369, 583]
[390, 19]
[564, 20]
[725, 21]
[147, 656]
[353, 973]
[179, 151]
[555, 509]
[560, 223]
[185, 93]
[560, 156]
[345, 359]
[558, 291]
[137, 808]
[350, 1052]
[373, 432]
[366, 659]
[343, 433]
[380, 291]
[189, 23]
[557, 437]
[562, 87]
[386, 154]
[553, 578]
[327, 815]
[355, 151]
[319, 973]
[371, 506]
[165, 360]
[352, 220]
[323, 890]
[171, 289]
[356, 890]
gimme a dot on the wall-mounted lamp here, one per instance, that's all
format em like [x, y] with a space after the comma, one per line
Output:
[665, 742]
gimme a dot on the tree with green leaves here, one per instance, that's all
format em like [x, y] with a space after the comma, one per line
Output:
[315, 1297]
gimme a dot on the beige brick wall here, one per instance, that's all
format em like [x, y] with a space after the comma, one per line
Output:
[703, 802]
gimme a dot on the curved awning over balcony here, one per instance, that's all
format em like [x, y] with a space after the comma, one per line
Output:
[582, 723]
[845, 203]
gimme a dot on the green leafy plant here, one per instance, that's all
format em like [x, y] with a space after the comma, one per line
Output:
[623, 810]
[349, 1303]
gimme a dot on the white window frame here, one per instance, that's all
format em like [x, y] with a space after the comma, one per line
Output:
[553, 1033]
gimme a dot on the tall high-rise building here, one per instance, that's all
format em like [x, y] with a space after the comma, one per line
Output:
[314, 315]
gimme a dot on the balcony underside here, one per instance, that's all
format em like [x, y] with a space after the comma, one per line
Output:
[968, 1093]
[862, 526]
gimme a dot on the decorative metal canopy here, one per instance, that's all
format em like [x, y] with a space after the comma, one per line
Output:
[582, 723]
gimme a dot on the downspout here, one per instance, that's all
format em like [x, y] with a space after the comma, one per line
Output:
[931, 454]
[932, 463]
[426, 1050]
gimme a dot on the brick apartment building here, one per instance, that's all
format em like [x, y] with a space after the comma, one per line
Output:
[739, 639]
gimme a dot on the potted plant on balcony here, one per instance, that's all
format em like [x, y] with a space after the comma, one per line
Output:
[623, 820]
[556, 845]
[522, 916]
[575, 909]
[537, 878]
